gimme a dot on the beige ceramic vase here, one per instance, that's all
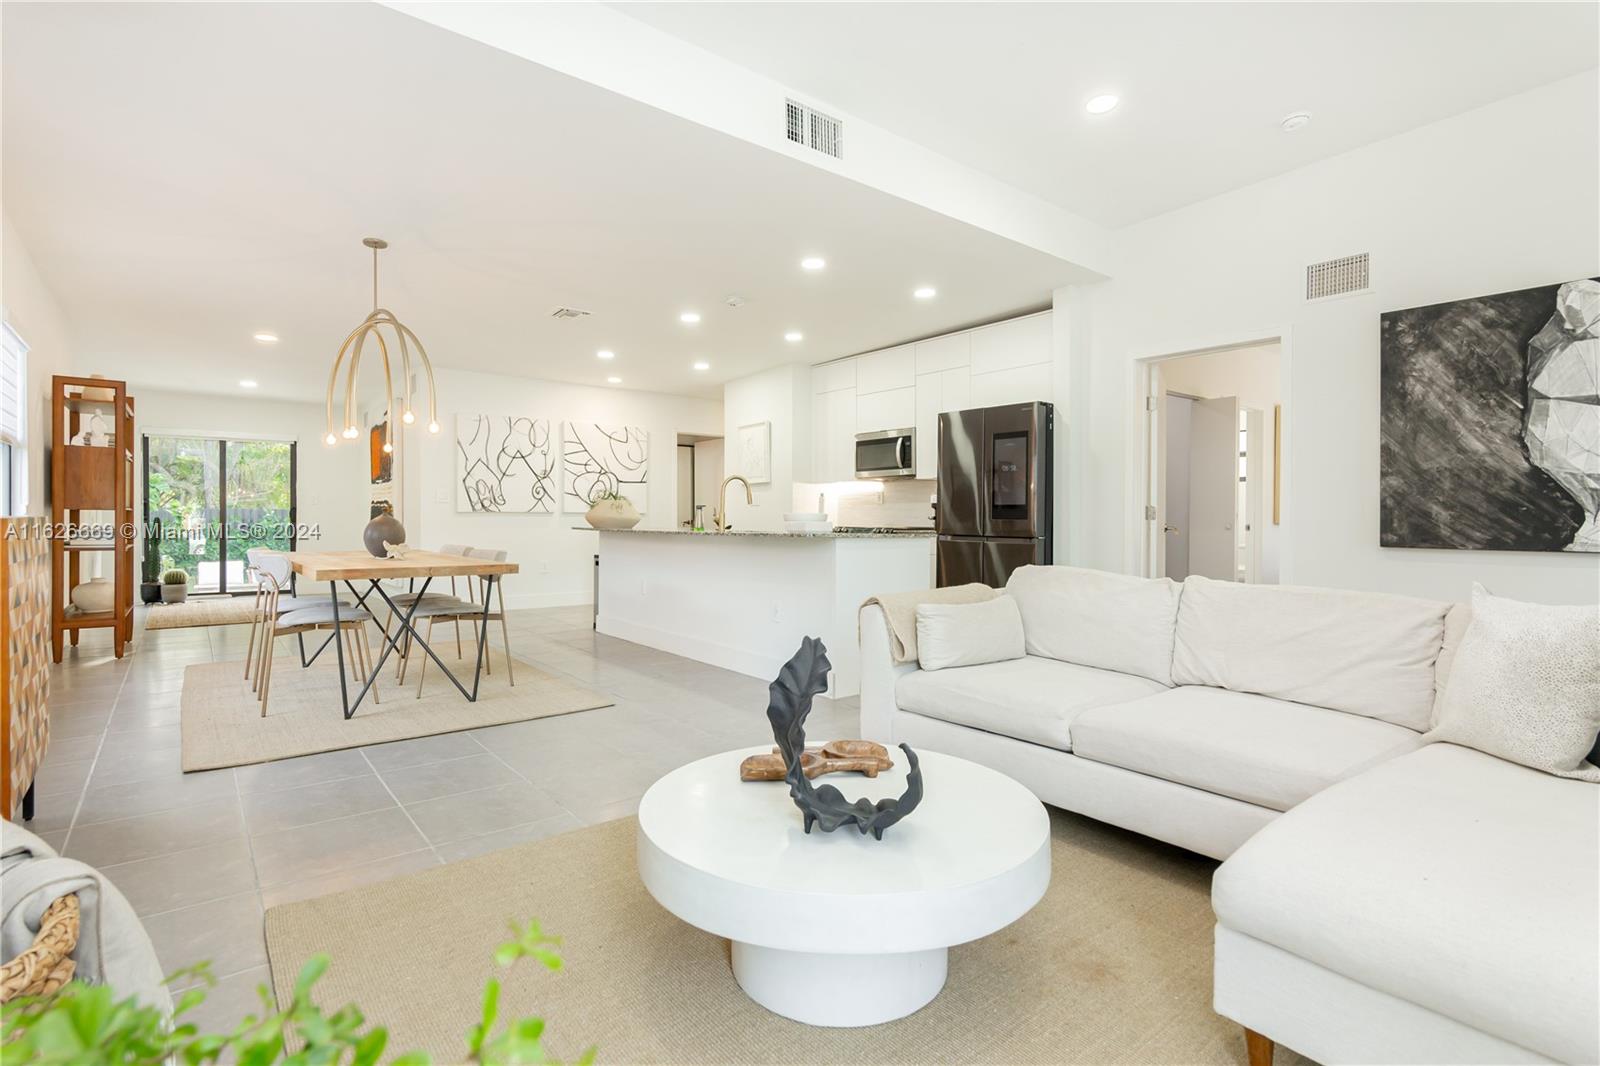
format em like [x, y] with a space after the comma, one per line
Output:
[617, 513]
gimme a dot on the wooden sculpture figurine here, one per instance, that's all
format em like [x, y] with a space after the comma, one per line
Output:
[836, 756]
[801, 679]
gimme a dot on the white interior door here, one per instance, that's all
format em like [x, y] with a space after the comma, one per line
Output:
[1175, 525]
[1214, 487]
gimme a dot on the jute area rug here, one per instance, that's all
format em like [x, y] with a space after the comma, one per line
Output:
[212, 611]
[1114, 965]
[223, 726]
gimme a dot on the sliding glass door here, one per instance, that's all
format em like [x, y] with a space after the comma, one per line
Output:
[216, 499]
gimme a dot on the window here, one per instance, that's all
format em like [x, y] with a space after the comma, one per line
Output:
[13, 420]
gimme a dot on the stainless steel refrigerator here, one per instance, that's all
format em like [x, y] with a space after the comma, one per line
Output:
[995, 492]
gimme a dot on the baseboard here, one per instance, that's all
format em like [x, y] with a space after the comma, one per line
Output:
[520, 601]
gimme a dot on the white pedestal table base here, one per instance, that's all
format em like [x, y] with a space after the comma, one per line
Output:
[839, 990]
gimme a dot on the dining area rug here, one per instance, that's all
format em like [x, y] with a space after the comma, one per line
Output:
[223, 724]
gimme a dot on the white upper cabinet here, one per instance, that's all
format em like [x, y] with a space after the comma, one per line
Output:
[890, 409]
[1006, 345]
[830, 377]
[892, 368]
[944, 353]
[1020, 384]
[947, 390]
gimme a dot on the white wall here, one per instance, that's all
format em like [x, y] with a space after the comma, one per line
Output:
[1497, 199]
[781, 396]
[32, 311]
[1251, 374]
[331, 482]
[557, 560]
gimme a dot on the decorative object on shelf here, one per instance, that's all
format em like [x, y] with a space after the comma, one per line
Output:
[94, 596]
[94, 433]
[174, 586]
[755, 452]
[1490, 413]
[601, 460]
[802, 678]
[836, 756]
[403, 339]
[98, 393]
[384, 529]
[612, 511]
[150, 566]
[395, 551]
[504, 464]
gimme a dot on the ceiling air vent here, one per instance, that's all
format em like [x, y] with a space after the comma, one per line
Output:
[568, 312]
[813, 129]
[1339, 277]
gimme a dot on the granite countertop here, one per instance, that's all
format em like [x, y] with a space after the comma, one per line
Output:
[839, 534]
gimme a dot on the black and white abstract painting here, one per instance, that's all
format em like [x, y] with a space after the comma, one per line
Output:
[1491, 422]
[504, 465]
[604, 459]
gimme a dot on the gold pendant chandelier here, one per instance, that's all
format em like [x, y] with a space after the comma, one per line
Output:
[401, 334]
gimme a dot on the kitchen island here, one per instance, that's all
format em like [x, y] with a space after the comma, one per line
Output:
[743, 599]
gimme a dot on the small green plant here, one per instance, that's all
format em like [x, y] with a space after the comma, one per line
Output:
[609, 494]
[175, 577]
[151, 565]
[85, 1024]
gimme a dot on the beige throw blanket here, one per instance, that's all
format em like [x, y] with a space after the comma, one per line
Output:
[900, 611]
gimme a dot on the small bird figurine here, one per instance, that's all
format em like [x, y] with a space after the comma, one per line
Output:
[395, 551]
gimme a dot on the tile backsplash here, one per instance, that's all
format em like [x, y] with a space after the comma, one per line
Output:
[901, 502]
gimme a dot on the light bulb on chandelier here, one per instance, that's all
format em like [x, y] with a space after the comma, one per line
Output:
[330, 439]
[404, 339]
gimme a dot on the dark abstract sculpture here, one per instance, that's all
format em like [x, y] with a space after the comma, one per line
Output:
[802, 678]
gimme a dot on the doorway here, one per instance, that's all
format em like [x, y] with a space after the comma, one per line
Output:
[216, 499]
[699, 477]
[1214, 480]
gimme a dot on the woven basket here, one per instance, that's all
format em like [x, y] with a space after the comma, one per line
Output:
[48, 965]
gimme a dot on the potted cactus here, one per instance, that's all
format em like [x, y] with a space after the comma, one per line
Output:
[150, 568]
[174, 586]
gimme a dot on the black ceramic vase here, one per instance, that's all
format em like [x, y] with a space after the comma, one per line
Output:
[385, 527]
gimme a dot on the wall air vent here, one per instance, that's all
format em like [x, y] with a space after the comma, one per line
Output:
[568, 312]
[813, 129]
[1339, 277]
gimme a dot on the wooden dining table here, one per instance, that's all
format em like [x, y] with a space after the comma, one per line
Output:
[353, 567]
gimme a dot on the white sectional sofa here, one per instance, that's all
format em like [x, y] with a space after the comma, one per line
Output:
[1386, 899]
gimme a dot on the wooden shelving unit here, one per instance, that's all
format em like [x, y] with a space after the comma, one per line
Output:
[97, 479]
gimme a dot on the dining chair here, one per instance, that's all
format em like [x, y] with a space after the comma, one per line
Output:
[275, 623]
[406, 599]
[274, 563]
[470, 611]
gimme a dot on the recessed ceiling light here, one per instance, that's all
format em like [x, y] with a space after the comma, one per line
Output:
[1294, 120]
[794, 336]
[1100, 104]
[247, 384]
[265, 338]
[605, 353]
[702, 365]
[813, 262]
[613, 380]
[689, 318]
[927, 292]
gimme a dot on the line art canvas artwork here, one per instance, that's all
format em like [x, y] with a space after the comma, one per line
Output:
[604, 459]
[504, 465]
[1491, 422]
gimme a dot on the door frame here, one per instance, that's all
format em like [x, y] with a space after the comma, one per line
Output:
[1145, 453]
[222, 492]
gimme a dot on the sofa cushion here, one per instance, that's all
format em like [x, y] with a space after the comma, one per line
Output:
[1096, 618]
[968, 634]
[1032, 699]
[1366, 653]
[1252, 748]
[1448, 878]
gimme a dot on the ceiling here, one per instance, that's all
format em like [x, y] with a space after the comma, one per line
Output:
[187, 175]
[1204, 86]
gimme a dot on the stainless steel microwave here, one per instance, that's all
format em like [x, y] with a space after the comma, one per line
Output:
[886, 453]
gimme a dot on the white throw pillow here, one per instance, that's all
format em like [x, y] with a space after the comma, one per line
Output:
[1525, 685]
[1096, 618]
[968, 634]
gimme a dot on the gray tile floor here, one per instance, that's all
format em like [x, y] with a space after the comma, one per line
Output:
[201, 856]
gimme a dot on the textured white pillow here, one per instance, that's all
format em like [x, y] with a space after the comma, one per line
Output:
[968, 634]
[1525, 685]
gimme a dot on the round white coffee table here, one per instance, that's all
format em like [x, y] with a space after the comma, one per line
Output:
[839, 929]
